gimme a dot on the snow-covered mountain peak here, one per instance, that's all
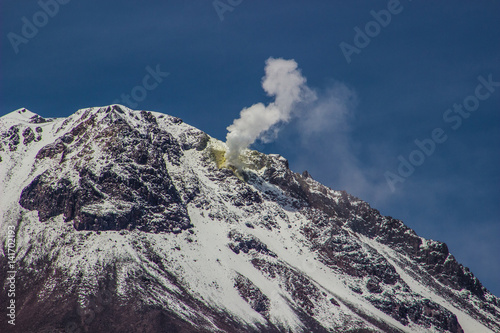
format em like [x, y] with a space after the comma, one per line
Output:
[21, 114]
[143, 208]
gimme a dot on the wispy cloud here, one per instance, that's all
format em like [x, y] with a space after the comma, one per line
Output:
[285, 83]
[325, 131]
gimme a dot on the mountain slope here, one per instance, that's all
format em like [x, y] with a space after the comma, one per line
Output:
[131, 221]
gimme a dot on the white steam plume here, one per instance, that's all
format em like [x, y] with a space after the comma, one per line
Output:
[285, 83]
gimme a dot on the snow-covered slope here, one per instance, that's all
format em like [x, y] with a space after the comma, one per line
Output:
[131, 221]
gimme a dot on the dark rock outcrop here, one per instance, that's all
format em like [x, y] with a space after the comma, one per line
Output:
[127, 185]
[250, 293]
[141, 173]
[245, 243]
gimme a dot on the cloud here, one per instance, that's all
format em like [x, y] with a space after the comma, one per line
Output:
[322, 120]
[285, 83]
[329, 112]
[324, 129]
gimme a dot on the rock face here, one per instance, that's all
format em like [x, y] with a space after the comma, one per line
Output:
[130, 189]
[130, 221]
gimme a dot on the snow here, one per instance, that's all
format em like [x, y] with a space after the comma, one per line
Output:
[287, 242]
[469, 324]
[19, 115]
[202, 262]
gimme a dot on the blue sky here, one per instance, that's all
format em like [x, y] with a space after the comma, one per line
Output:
[413, 69]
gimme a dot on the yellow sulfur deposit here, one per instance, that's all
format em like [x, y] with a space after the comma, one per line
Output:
[219, 157]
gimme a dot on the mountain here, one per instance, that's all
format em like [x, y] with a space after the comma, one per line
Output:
[114, 220]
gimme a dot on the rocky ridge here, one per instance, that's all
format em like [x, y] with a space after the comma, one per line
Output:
[132, 219]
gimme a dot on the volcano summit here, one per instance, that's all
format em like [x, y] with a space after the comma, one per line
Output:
[115, 220]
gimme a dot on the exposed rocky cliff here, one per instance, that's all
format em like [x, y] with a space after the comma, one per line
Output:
[131, 221]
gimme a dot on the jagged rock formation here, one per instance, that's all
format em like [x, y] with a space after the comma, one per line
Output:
[130, 221]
